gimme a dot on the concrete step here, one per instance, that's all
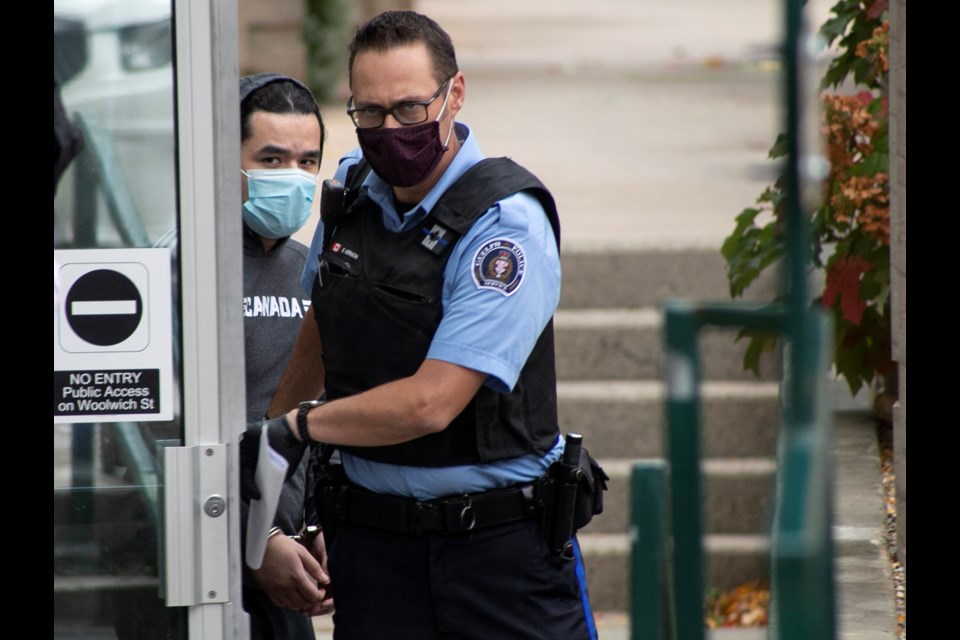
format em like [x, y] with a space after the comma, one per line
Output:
[627, 343]
[648, 278]
[609, 346]
[625, 418]
[737, 496]
[730, 560]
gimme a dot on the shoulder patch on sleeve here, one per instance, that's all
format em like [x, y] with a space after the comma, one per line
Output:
[499, 264]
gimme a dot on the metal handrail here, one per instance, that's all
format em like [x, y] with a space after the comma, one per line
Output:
[99, 153]
[668, 577]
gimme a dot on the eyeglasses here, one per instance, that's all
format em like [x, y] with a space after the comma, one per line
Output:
[413, 112]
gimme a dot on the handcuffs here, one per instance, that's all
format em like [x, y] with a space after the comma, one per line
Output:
[306, 536]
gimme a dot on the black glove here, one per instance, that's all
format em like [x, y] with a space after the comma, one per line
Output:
[281, 440]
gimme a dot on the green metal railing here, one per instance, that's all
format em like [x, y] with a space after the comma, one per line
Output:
[102, 176]
[667, 571]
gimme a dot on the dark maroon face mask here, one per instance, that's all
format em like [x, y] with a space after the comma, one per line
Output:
[403, 156]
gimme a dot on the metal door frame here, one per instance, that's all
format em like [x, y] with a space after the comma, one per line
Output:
[202, 539]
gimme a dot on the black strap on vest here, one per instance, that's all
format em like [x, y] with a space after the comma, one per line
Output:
[352, 181]
[479, 188]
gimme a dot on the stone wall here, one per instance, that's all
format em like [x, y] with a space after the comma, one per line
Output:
[269, 33]
[269, 37]
[898, 255]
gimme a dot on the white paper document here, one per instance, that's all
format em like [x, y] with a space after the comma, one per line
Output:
[271, 469]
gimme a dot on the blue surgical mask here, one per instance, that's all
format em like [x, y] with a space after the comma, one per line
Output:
[278, 201]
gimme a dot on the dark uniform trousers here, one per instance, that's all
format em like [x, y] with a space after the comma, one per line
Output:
[487, 584]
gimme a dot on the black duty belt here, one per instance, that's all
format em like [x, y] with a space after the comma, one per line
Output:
[444, 515]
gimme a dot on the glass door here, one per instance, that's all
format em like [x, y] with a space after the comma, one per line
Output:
[145, 517]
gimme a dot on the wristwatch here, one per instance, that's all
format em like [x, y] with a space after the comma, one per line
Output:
[302, 412]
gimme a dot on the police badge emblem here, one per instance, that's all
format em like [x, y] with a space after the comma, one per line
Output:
[499, 265]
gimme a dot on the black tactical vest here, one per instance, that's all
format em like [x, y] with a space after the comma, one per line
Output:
[377, 302]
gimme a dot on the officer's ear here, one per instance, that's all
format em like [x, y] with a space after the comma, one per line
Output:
[458, 92]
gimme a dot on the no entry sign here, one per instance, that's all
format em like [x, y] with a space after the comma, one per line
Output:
[104, 307]
[113, 358]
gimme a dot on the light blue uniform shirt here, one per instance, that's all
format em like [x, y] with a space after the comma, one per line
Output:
[483, 328]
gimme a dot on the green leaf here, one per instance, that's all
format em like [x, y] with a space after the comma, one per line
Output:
[759, 345]
[747, 216]
[871, 165]
[872, 291]
[834, 76]
[779, 148]
[881, 139]
[847, 362]
[834, 28]
[750, 250]
[845, 11]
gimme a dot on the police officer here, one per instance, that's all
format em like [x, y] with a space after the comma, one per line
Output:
[430, 334]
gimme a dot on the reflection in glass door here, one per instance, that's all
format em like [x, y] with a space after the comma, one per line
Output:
[117, 197]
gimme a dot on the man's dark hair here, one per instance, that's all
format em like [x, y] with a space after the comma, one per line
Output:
[275, 94]
[392, 29]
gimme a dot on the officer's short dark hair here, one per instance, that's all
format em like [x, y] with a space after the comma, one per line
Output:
[392, 29]
[275, 94]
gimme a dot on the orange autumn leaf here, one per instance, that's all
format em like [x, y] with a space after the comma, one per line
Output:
[747, 605]
[843, 282]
